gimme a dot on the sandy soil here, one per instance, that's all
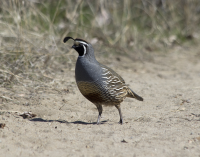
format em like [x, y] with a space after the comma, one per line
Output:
[167, 123]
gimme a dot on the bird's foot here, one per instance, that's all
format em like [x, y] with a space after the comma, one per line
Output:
[98, 122]
[121, 121]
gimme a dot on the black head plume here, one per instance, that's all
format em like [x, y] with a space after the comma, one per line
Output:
[66, 39]
[80, 45]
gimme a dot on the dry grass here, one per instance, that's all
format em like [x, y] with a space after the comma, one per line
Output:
[31, 32]
[36, 74]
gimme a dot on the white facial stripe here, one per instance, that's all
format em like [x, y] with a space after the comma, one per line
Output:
[82, 42]
[84, 50]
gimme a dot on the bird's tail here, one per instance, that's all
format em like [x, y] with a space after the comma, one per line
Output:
[132, 94]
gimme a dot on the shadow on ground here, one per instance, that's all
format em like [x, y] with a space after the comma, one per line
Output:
[64, 121]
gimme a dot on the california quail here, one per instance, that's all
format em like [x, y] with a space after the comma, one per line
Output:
[97, 82]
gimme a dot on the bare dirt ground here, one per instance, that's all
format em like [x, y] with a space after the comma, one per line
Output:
[167, 123]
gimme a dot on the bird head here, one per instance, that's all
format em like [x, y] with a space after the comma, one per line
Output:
[80, 45]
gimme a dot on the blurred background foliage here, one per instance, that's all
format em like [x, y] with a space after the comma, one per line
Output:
[31, 31]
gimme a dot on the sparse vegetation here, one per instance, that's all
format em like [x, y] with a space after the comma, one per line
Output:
[152, 44]
[31, 32]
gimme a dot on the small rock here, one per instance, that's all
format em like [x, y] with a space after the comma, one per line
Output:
[27, 115]
[124, 141]
[2, 125]
[185, 147]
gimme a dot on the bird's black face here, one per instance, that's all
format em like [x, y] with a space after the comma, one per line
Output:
[79, 45]
[80, 50]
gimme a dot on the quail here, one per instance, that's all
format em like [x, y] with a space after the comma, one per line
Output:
[98, 83]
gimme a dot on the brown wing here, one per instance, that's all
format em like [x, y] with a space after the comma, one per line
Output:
[113, 72]
[114, 84]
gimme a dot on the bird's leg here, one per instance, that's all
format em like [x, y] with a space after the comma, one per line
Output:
[99, 107]
[120, 113]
